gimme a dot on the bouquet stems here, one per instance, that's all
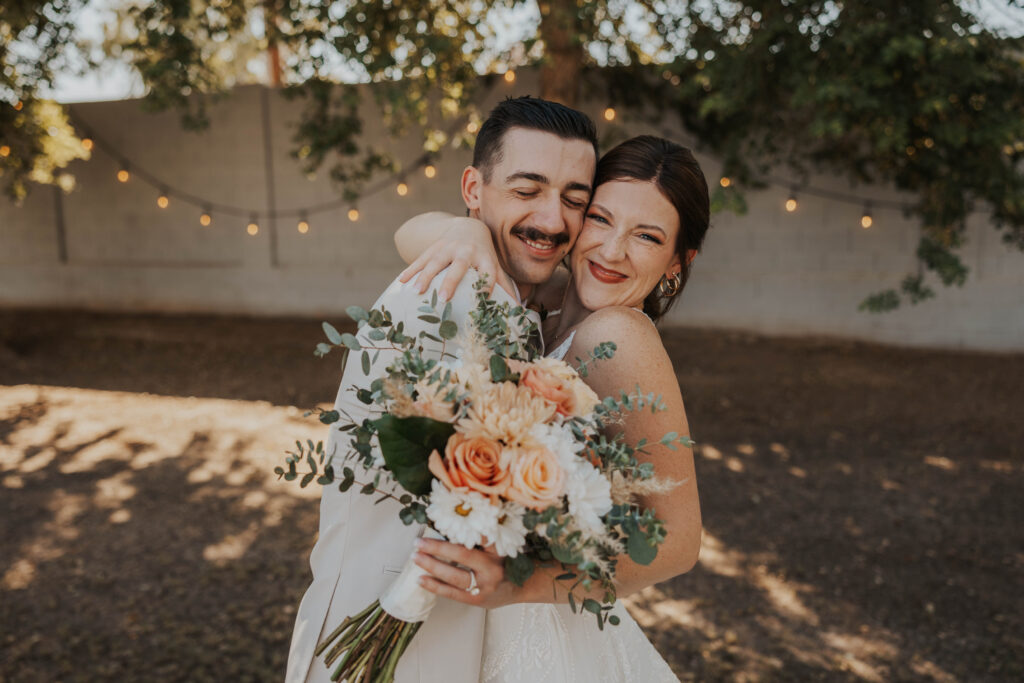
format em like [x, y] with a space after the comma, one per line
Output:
[369, 645]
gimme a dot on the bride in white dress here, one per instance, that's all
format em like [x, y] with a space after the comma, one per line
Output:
[646, 221]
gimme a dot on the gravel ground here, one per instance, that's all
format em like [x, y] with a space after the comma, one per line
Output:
[862, 504]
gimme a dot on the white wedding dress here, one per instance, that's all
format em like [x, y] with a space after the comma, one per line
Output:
[542, 643]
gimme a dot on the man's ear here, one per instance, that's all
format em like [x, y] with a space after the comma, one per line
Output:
[472, 185]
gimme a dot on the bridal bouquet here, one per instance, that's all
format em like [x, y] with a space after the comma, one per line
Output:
[488, 446]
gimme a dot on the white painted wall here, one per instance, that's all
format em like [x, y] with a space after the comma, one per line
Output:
[767, 271]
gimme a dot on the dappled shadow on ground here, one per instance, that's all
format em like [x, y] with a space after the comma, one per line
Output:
[861, 505]
[858, 505]
[174, 558]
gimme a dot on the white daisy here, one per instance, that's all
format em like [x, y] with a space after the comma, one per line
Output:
[463, 518]
[590, 495]
[510, 534]
[559, 439]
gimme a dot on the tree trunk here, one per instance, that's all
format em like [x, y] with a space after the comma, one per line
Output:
[563, 51]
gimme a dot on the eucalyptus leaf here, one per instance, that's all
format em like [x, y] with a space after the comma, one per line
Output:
[332, 333]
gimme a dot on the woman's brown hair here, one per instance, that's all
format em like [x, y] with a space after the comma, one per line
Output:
[676, 173]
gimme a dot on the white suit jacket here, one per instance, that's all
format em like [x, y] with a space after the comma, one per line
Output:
[362, 547]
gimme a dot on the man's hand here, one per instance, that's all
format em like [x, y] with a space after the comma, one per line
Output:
[452, 582]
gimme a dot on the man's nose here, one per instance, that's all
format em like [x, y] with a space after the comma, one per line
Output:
[548, 218]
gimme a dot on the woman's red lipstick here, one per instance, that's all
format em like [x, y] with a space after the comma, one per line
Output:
[604, 275]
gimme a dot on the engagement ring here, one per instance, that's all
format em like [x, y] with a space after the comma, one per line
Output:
[473, 588]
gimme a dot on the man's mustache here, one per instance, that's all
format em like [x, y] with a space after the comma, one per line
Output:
[535, 235]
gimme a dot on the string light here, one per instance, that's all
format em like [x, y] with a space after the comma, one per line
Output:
[430, 171]
[4, 150]
[510, 76]
[19, 105]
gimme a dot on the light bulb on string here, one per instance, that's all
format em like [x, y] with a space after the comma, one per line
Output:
[163, 201]
[5, 151]
[303, 225]
[123, 175]
[866, 221]
[205, 218]
[353, 214]
[472, 127]
[87, 144]
[402, 189]
[725, 181]
[430, 170]
[510, 76]
[19, 105]
[609, 114]
[253, 226]
[791, 203]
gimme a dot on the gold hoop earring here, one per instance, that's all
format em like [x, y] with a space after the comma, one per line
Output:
[670, 286]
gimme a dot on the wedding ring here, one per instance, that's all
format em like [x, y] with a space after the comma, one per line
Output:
[473, 588]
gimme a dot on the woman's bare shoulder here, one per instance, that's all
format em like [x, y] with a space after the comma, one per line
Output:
[621, 322]
[632, 332]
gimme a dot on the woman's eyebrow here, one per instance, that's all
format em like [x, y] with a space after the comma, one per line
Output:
[646, 226]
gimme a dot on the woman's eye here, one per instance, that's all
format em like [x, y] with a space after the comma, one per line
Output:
[598, 218]
[650, 238]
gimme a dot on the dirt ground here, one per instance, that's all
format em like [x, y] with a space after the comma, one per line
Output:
[862, 504]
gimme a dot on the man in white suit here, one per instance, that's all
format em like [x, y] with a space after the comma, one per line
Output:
[530, 183]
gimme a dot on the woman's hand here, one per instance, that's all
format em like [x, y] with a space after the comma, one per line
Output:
[436, 557]
[465, 244]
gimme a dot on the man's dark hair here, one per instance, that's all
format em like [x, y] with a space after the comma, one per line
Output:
[532, 113]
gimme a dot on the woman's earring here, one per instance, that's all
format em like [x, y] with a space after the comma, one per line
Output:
[670, 286]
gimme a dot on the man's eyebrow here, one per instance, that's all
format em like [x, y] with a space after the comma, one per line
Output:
[527, 175]
[543, 179]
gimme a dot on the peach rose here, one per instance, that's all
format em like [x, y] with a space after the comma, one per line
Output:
[557, 383]
[546, 384]
[537, 479]
[475, 464]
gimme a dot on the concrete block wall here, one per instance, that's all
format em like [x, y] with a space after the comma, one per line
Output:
[767, 271]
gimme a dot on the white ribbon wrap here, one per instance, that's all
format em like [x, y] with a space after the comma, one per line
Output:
[405, 599]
